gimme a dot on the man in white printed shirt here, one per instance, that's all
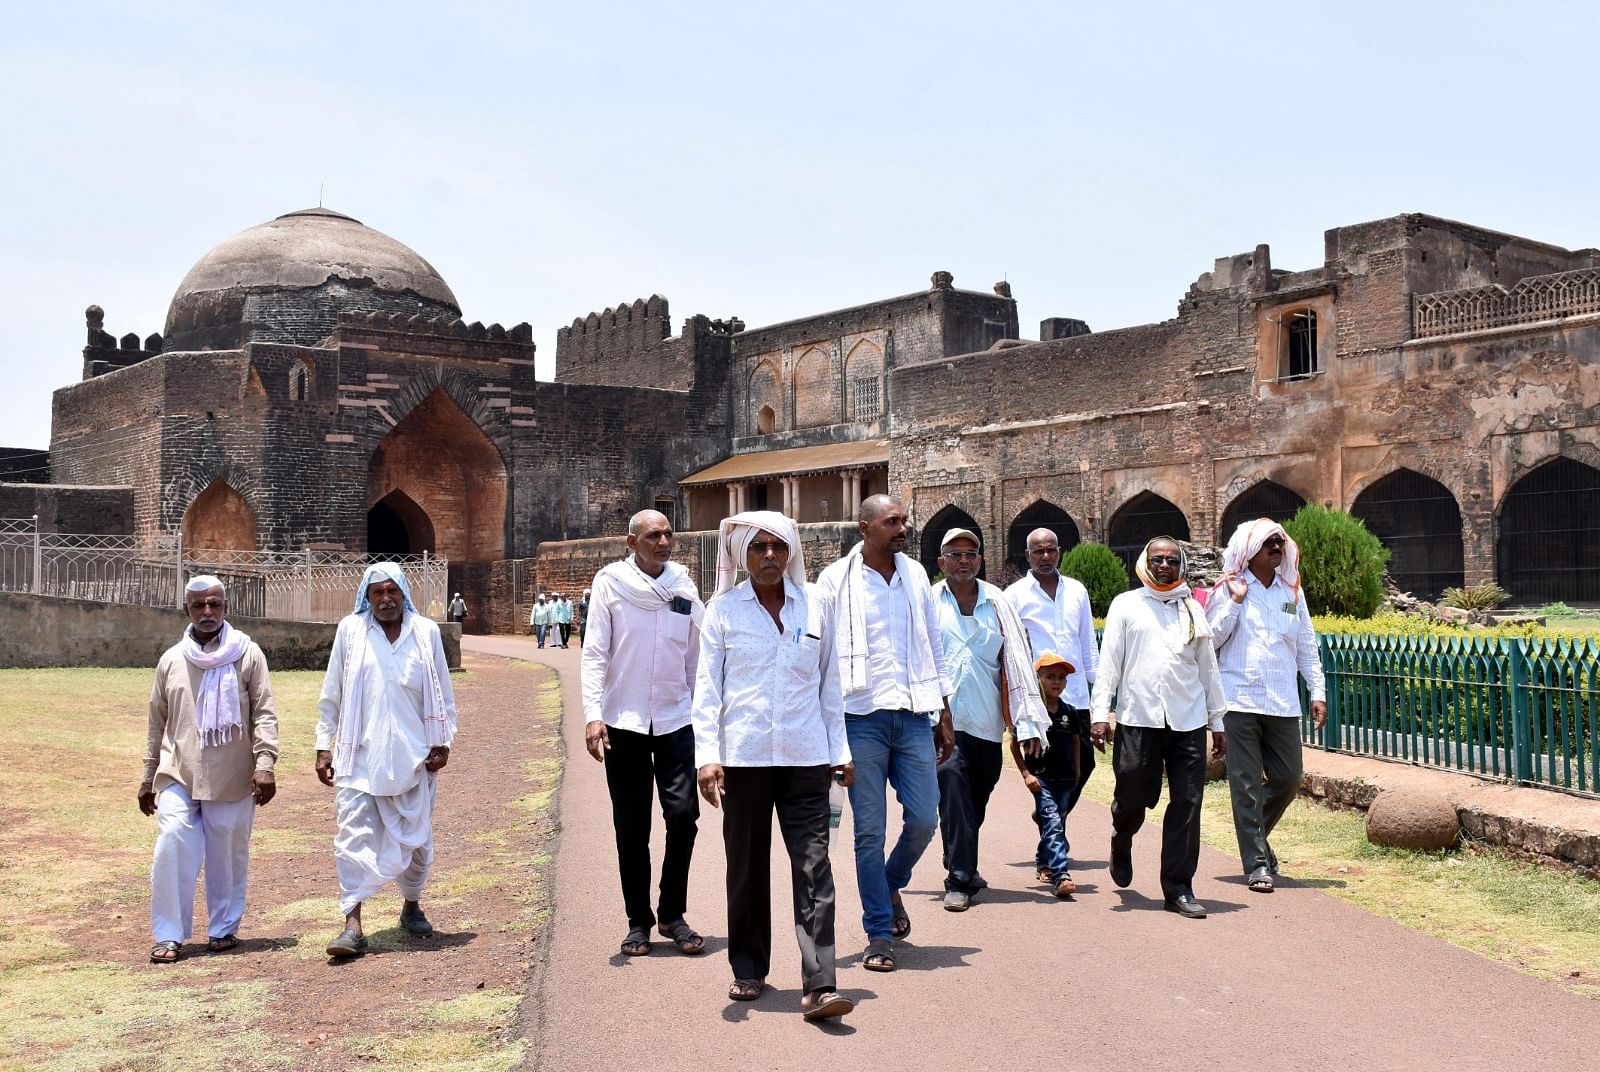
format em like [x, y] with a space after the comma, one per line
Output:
[891, 667]
[1158, 664]
[1265, 640]
[637, 673]
[769, 734]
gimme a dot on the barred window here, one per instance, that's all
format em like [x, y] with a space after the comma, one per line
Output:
[864, 404]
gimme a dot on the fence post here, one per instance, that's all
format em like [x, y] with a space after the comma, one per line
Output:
[306, 617]
[37, 587]
[1521, 730]
[177, 567]
[1330, 729]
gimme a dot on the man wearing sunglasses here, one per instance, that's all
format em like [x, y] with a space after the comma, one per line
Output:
[1264, 641]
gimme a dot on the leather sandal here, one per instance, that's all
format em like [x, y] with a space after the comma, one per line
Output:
[1260, 880]
[879, 957]
[680, 934]
[902, 922]
[223, 944]
[637, 943]
[165, 952]
[746, 989]
[825, 1004]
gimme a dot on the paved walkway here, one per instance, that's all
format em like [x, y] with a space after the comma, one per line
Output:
[1109, 981]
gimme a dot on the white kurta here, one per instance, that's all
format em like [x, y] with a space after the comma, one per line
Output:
[384, 802]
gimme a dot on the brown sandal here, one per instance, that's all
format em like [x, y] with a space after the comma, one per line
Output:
[223, 944]
[746, 989]
[825, 1004]
[165, 952]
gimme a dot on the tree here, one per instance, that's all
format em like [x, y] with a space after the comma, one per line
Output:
[1101, 572]
[1341, 562]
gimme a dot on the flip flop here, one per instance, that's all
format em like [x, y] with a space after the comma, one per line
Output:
[165, 952]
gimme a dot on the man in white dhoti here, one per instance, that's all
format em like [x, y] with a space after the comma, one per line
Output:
[388, 716]
[209, 754]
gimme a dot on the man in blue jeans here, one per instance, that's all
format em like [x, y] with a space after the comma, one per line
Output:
[891, 667]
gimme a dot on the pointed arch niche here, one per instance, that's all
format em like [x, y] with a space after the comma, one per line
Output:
[950, 517]
[1264, 498]
[219, 519]
[1140, 520]
[1041, 515]
[1549, 547]
[1418, 520]
[451, 482]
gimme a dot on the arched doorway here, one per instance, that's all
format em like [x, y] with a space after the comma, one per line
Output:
[1264, 498]
[1040, 515]
[219, 520]
[1549, 546]
[1140, 520]
[441, 483]
[396, 525]
[1417, 519]
[951, 517]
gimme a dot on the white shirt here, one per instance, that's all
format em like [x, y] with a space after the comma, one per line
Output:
[1064, 625]
[887, 608]
[1157, 676]
[388, 758]
[1262, 647]
[638, 666]
[765, 699]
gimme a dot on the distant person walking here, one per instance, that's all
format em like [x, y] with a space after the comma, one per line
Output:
[210, 749]
[540, 618]
[458, 608]
[1265, 641]
[562, 615]
[1157, 662]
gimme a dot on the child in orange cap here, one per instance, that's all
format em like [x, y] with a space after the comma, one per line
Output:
[1056, 779]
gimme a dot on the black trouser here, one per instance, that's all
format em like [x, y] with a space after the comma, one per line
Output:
[566, 631]
[1138, 756]
[1261, 745]
[634, 762]
[800, 797]
[966, 781]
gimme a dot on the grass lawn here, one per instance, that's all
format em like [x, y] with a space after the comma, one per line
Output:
[1541, 920]
[75, 986]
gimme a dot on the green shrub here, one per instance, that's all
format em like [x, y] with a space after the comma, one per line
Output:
[1101, 572]
[1474, 597]
[1390, 623]
[1559, 610]
[1341, 563]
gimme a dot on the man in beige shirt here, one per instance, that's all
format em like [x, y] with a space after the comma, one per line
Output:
[208, 759]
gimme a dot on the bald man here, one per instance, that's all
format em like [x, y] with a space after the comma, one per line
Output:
[638, 682]
[1054, 608]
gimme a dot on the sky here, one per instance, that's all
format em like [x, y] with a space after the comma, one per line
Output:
[765, 161]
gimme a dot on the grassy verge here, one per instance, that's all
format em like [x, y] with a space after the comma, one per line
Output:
[1540, 920]
[74, 853]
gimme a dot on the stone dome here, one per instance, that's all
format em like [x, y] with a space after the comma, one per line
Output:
[287, 280]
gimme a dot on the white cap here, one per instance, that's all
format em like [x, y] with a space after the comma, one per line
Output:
[951, 535]
[203, 581]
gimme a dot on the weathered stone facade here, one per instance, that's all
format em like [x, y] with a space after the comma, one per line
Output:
[1440, 380]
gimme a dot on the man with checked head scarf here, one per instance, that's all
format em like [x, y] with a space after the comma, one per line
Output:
[387, 718]
[769, 735]
[209, 754]
[1157, 663]
[1264, 640]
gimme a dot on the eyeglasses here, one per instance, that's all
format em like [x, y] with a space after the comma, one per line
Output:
[208, 604]
[1272, 541]
[961, 556]
[1165, 560]
[776, 547]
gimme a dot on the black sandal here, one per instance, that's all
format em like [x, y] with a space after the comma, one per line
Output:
[680, 934]
[746, 989]
[902, 922]
[879, 957]
[1260, 881]
[223, 944]
[165, 952]
[637, 943]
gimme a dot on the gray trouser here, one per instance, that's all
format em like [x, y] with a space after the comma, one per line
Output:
[1264, 769]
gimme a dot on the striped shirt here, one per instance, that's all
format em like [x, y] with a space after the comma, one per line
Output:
[1263, 644]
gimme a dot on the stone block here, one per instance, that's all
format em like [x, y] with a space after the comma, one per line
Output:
[1411, 818]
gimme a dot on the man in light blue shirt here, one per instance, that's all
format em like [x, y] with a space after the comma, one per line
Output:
[977, 627]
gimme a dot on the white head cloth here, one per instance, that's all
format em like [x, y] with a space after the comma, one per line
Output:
[735, 535]
[1247, 541]
[384, 571]
[218, 714]
[1191, 624]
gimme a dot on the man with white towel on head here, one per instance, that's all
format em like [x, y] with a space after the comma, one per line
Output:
[209, 754]
[387, 720]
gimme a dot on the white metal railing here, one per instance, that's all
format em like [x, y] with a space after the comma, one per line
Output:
[305, 585]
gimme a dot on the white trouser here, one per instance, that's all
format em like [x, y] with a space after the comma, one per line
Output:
[383, 839]
[188, 832]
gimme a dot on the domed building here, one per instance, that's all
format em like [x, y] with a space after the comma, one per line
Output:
[315, 385]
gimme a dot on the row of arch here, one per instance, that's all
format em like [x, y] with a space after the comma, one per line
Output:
[810, 396]
[1548, 547]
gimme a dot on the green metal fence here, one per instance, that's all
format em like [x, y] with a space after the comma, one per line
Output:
[1527, 711]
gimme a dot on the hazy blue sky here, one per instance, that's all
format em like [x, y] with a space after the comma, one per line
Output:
[764, 160]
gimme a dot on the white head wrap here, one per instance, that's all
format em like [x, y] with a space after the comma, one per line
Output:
[733, 543]
[384, 571]
[1247, 541]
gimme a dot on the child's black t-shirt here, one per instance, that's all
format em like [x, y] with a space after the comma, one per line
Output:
[1069, 729]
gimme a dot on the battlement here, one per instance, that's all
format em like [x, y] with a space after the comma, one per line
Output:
[627, 344]
[444, 335]
[103, 353]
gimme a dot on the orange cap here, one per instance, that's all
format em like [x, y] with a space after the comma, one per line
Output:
[1050, 658]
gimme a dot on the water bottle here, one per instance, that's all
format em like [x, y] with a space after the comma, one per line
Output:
[836, 799]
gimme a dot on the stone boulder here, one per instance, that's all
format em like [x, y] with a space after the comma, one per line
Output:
[1409, 818]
